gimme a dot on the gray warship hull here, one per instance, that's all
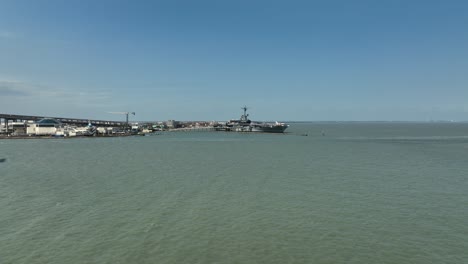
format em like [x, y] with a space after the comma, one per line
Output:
[269, 128]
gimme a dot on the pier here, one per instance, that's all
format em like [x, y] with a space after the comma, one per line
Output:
[193, 129]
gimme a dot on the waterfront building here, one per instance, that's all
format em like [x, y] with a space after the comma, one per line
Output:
[44, 127]
[172, 124]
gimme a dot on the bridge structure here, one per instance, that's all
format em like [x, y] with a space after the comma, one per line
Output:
[65, 120]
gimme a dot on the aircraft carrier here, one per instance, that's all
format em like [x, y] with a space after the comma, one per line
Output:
[244, 124]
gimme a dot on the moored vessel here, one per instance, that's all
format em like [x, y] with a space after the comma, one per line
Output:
[244, 124]
[276, 127]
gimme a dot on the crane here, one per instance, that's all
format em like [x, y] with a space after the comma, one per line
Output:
[123, 113]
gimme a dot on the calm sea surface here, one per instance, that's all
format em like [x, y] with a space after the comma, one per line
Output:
[363, 193]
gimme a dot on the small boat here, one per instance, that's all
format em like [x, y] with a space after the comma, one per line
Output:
[2, 160]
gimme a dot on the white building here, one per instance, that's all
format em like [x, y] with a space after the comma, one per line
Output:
[44, 127]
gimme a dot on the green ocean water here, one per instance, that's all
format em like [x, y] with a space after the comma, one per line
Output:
[360, 193]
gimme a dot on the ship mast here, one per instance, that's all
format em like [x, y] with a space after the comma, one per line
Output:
[245, 115]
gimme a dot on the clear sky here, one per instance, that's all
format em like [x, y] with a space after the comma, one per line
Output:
[203, 60]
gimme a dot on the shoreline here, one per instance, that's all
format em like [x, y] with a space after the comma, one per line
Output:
[54, 137]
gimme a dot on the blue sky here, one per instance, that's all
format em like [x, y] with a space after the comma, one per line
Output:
[203, 60]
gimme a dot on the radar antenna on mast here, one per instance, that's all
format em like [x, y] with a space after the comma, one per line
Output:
[245, 109]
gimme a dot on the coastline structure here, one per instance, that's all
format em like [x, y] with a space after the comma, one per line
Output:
[27, 125]
[64, 120]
